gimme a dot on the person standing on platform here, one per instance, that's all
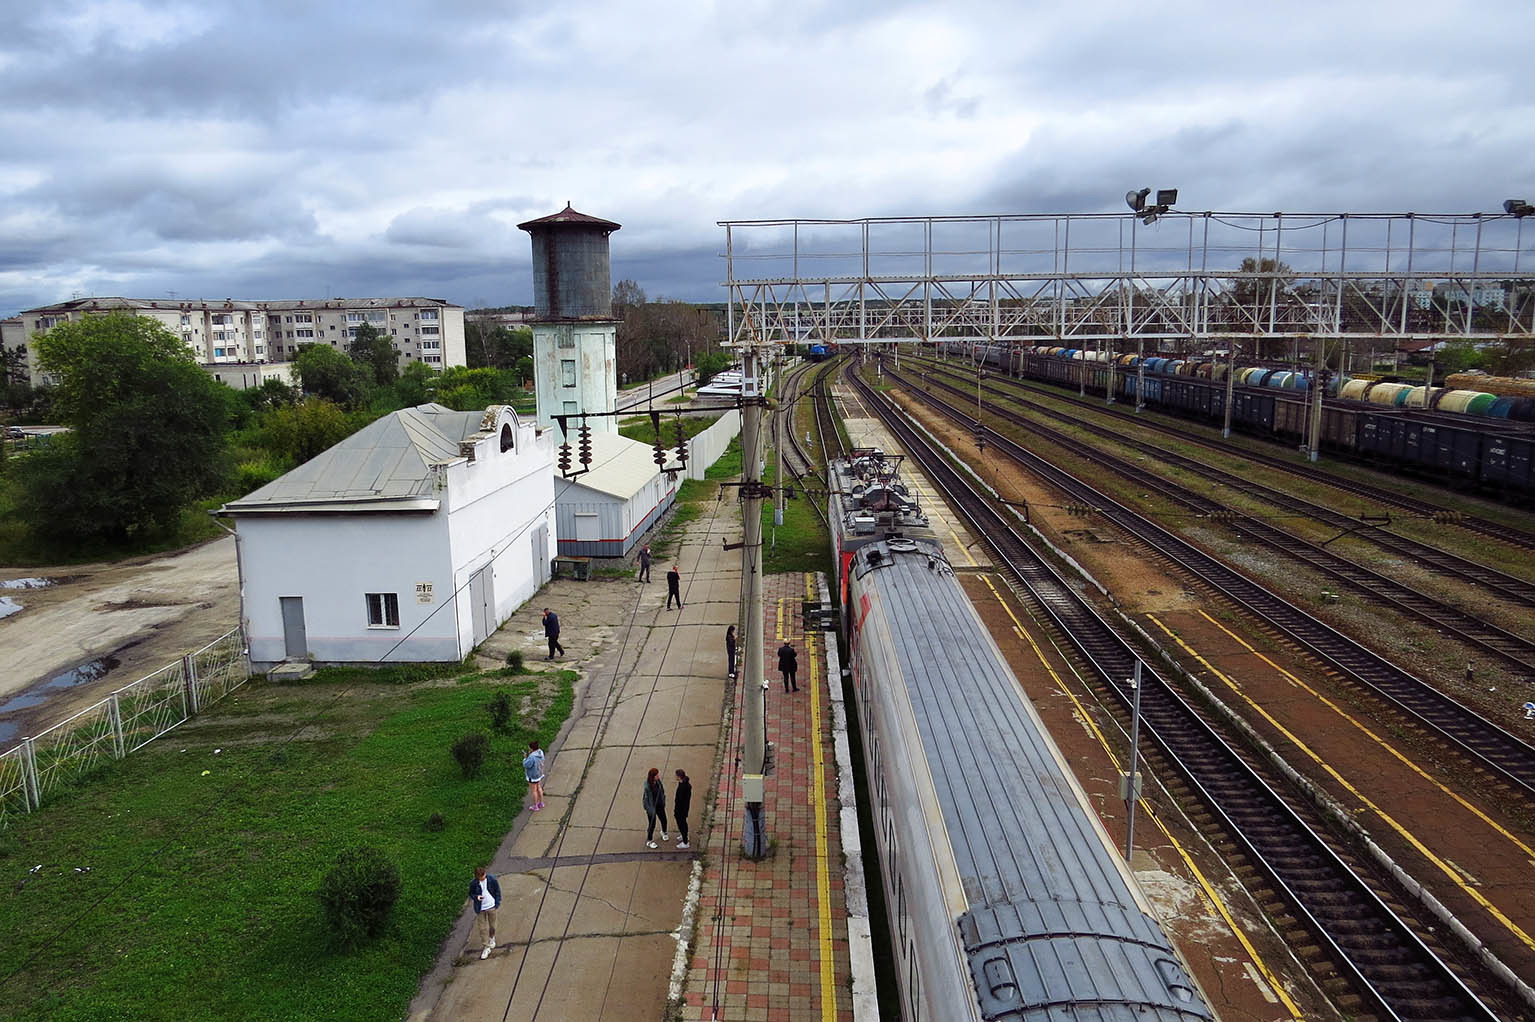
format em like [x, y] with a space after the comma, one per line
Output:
[655, 806]
[788, 663]
[533, 767]
[680, 807]
[673, 588]
[485, 893]
[552, 632]
[645, 563]
[730, 649]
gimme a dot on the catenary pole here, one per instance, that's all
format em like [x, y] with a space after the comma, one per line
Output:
[754, 840]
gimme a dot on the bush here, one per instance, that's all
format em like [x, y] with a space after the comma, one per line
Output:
[500, 707]
[435, 822]
[358, 894]
[514, 661]
[470, 751]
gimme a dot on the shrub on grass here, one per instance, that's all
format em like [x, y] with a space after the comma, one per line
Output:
[358, 894]
[514, 661]
[500, 707]
[470, 752]
[435, 822]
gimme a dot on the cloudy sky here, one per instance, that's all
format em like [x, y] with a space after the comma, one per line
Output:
[276, 148]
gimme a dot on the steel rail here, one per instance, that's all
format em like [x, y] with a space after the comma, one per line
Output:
[1391, 967]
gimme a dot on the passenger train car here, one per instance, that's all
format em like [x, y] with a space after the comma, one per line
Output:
[1413, 429]
[1005, 898]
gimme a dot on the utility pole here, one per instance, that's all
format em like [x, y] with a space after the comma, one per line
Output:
[778, 498]
[754, 840]
[1231, 386]
[1314, 427]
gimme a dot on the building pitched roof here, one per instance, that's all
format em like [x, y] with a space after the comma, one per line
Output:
[388, 465]
[620, 467]
[568, 217]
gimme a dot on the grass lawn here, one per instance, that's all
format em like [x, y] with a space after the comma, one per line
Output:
[199, 897]
[639, 427]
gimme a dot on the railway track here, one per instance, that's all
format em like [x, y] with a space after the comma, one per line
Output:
[1502, 755]
[1494, 530]
[1440, 561]
[1395, 974]
[1489, 639]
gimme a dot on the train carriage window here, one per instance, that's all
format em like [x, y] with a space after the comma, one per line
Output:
[900, 909]
[916, 991]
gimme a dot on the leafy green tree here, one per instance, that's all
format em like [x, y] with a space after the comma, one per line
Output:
[325, 372]
[414, 387]
[271, 395]
[147, 428]
[373, 350]
[494, 346]
[299, 432]
[711, 363]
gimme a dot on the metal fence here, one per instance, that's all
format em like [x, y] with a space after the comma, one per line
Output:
[123, 722]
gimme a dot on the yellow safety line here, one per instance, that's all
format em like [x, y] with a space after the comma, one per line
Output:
[1204, 882]
[1450, 871]
[818, 802]
[1409, 764]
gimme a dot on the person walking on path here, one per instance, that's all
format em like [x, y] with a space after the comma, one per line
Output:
[673, 588]
[730, 649]
[788, 663]
[645, 563]
[655, 806]
[684, 802]
[552, 632]
[533, 767]
[485, 893]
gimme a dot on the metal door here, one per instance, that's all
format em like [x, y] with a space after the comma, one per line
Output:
[541, 554]
[295, 643]
[482, 604]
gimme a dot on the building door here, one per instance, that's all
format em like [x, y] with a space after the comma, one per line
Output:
[295, 643]
[482, 604]
[540, 555]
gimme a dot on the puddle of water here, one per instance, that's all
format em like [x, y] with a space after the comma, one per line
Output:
[9, 606]
[39, 693]
[26, 583]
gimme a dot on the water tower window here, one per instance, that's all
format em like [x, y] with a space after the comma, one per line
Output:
[567, 339]
[568, 372]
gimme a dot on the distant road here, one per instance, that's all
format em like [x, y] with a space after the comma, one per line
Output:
[638, 397]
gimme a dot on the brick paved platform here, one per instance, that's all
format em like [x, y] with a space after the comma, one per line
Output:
[772, 935]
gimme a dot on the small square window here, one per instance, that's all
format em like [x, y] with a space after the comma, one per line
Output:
[383, 610]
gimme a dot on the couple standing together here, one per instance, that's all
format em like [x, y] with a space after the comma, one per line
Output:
[655, 807]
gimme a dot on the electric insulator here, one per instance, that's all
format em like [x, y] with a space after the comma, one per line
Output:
[682, 442]
[659, 455]
[565, 459]
[586, 444]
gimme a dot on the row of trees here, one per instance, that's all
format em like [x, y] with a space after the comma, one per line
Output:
[661, 336]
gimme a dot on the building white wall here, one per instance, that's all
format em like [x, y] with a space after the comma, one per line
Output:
[705, 448]
[575, 369]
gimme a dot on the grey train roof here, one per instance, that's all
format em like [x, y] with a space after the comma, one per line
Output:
[1053, 930]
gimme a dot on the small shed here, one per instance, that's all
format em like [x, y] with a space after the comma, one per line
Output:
[604, 512]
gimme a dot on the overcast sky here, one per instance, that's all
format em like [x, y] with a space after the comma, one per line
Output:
[276, 149]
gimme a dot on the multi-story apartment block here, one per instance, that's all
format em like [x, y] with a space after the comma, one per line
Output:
[233, 338]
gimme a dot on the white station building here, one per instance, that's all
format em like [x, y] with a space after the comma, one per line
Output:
[412, 540]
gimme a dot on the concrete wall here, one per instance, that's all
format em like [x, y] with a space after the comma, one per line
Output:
[705, 448]
[575, 365]
[246, 375]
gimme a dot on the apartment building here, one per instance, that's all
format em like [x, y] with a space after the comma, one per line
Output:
[227, 335]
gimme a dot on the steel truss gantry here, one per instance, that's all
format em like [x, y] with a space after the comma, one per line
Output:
[1107, 279]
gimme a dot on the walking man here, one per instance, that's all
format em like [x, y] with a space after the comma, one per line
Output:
[684, 802]
[552, 632]
[655, 805]
[485, 893]
[788, 663]
[673, 588]
[533, 767]
[730, 649]
[645, 563]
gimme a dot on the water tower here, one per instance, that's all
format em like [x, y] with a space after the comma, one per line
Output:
[574, 332]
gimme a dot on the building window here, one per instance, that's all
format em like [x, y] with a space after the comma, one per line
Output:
[431, 358]
[186, 320]
[431, 345]
[303, 317]
[567, 339]
[383, 610]
[354, 317]
[306, 333]
[377, 317]
[429, 330]
[568, 372]
[428, 313]
[218, 352]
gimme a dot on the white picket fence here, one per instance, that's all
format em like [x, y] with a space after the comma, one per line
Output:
[123, 722]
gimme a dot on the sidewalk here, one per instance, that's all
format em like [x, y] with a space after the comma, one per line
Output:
[772, 935]
[590, 917]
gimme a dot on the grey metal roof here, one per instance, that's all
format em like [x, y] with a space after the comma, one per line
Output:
[1053, 925]
[568, 217]
[385, 466]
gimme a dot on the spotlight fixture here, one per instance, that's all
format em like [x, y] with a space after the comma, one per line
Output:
[1517, 208]
[1148, 214]
[1137, 200]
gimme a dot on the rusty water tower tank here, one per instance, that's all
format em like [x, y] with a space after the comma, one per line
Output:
[571, 279]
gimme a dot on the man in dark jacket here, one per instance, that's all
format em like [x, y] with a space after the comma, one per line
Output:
[645, 559]
[552, 631]
[485, 896]
[673, 588]
[681, 806]
[788, 663]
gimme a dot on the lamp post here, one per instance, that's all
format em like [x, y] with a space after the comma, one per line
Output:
[1144, 213]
